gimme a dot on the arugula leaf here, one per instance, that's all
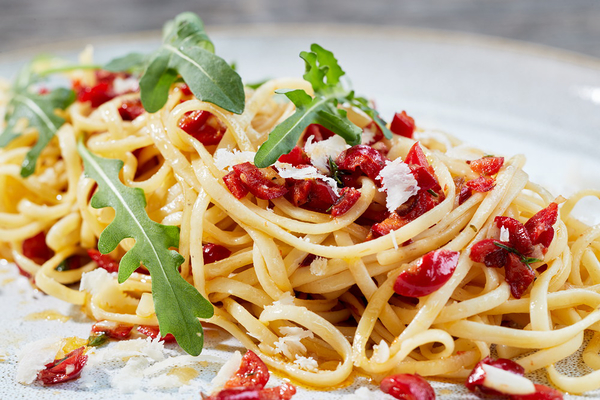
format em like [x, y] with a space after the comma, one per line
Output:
[186, 51]
[178, 304]
[38, 110]
[323, 72]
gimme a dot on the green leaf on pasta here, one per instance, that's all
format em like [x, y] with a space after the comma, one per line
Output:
[177, 303]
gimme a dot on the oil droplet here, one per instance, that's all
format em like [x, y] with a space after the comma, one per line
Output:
[47, 315]
[185, 374]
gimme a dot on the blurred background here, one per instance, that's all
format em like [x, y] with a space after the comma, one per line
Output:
[569, 24]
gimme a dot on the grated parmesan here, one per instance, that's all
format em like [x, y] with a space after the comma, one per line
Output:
[225, 159]
[290, 344]
[95, 281]
[289, 171]
[320, 152]
[306, 363]
[398, 182]
[34, 357]
[318, 266]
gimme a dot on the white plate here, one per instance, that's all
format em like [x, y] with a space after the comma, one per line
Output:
[505, 97]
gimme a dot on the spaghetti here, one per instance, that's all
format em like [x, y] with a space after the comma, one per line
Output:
[311, 293]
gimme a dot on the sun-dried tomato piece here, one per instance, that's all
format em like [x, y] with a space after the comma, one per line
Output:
[464, 192]
[185, 89]
[403, 125]
[214, 252]
[103, 260]
[131, 109]
[430, 274]
[518, 235]
[97, 94]
[318, 131]
[36, 249]
[518, 275]
[312, 194]
[235, 185]
[65, 369]
[252, 373]
[154, 332]
[425, 179]
[348, 197]
[296, 157]
[486, 251]
[203, 126]
[407, 387]
[369, 160]
[416, 156]
[542, 392]
[112, 329]
[476, 379]
[260, 182]
[391, 223]
[487, 165]
[540, 227]
[482, 184]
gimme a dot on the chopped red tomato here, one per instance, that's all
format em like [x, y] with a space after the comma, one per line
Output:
[318, 131]
[464, 192]
[391, 223]
[185, 89]
[65, 369]
[262, 183]
[403, 125]
[103, 260]
[541, 393]
[407, 387]
[416, 156]
[487, 165]
[477, 377]
[540, 227]
[518, 235]
[112, 329]
[488, 252]
[518, 275]
[235, 185]
[154, 332]
[203, 126]
[252, 373]
[481, 184]
[131, 109]
[214, 252]
[296, 157]
[312, 194]
[102, 91]
[434, 270]
[425, 179]
[348, 197]
[36, 249]
[369, 160]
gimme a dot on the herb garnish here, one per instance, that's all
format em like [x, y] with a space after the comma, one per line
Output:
[178, 304]
[38, 110]
[323, 73]
[186, 51]
[525, 260]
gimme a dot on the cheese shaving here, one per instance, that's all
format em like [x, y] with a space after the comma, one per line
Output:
[398, 182]
[289, 171]
[290, 345]
[34, 357]
[320, 152]
[225, 159]
[318, 266]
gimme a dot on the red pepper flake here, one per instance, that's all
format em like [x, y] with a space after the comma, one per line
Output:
[403, 125]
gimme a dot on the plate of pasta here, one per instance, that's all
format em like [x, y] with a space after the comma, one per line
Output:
[216, 218]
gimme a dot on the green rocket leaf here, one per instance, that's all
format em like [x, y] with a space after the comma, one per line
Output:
[177, 303]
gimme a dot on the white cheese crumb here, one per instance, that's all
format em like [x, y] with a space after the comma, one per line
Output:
[225, 159]
[364, 393]
[227, 370]
[320, 152]
[148, 348]
[34, 357]
[290, 345]
[306, 363]
[504, 234]
[381, 352]
[367, 136]
[289, 171]
[126, 85]
[398, 182]
[95, 281]
[129, 379]
[318, 266]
